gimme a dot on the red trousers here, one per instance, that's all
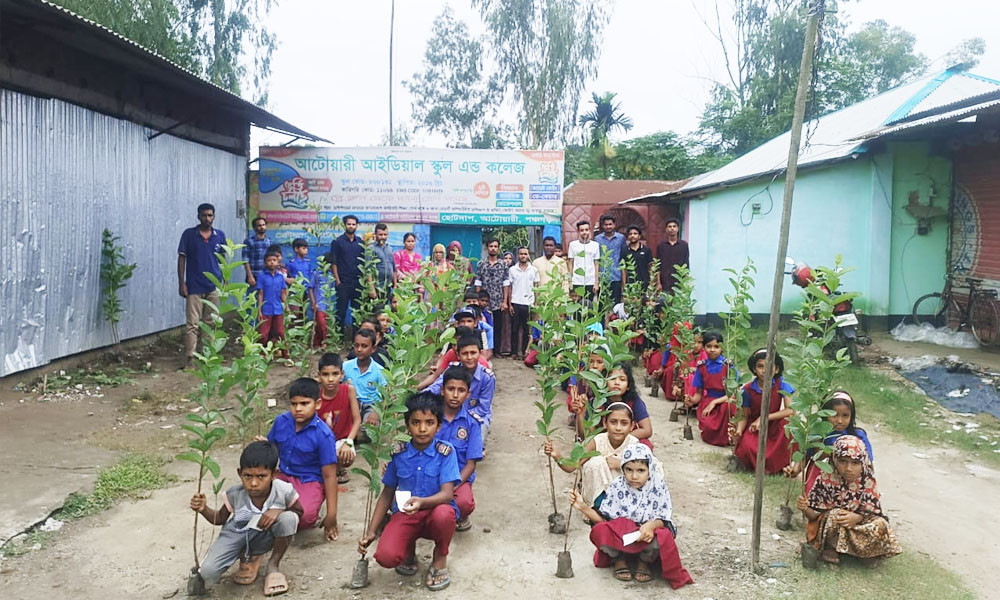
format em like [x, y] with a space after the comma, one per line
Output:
[271, 327]
[320, 329]
[399, 539]
[463, 498]
[609, 534]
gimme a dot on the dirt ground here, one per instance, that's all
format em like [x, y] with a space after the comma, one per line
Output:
[940, 504]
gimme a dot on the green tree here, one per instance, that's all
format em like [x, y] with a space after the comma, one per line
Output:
[966, 53]
[605, 117]
[762, 47]
[545, 51]
[224, 42]
[454, 95]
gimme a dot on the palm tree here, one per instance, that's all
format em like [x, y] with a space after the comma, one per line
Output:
[605, 117]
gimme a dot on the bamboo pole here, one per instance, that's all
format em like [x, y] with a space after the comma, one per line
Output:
[816, 10]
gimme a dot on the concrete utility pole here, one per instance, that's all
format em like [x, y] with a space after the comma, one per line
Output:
[816, 10]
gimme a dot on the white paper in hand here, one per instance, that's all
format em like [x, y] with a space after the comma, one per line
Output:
[630, 538]
[253, 521]
[402, 498]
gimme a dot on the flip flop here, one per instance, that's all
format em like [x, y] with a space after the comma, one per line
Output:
[463, 525]
[343, 476]
[408, 568]
[275, 584]
[247, 573]
[433, 574]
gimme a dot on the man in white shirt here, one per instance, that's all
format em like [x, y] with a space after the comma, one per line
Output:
[585, 254]
[518, 298]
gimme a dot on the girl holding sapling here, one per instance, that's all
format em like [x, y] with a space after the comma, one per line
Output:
[636, 502]
[599, 471]
[714, 409]
[843, 509]
[621, 388]
[778, 453]
[844, 422]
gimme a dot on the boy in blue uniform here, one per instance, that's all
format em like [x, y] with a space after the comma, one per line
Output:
[264, 514]
[300, 265]
[308, 451]
[463, 432]
[272, 290]
[318, 287]
[480, 402]
[428, 470]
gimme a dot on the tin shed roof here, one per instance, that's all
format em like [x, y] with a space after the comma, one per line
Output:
[836, 135]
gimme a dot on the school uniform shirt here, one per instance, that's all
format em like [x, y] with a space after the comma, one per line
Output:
[272, 285]
[365, 384]
[319, 283]
[200, 256]
[613, 246]
[422, 472]
[785, 387]
[583, 256]
[300, 266]
[463, 432]
[522, 284]
[305, 452]
[480, 400]
[712, 367]
[486, 330]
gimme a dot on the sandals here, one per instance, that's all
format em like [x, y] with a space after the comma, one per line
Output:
[408, 568]
[643, 574]
[275, 584]
[830, 556]
[248, 571]
[343, 476]
[437, 579]
[622, 572]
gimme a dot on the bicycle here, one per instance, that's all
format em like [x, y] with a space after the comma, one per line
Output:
[979, 313]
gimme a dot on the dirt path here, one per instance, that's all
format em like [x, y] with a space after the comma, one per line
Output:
[143, 549]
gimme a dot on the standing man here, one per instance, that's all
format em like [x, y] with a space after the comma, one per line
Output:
[195, 257]
[346, 252]
[672, 252]
[385, 267]
[518, 298]
[612, 243]
[640, 257]
[584, 254]
[254, 248]
[490, 275]
[548, 264]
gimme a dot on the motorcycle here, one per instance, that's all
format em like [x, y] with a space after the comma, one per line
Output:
[844, 315]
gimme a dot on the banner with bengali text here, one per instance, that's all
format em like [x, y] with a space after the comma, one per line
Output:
[411, 185]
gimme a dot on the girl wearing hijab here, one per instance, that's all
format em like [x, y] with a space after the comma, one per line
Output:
[638, 501]
[843, 508]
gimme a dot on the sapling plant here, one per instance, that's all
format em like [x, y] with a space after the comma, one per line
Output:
[373, 296]
[327, 289]
[736, 328]
[410, 350]
[814, 372]
[299, 329]
[680, 310]
[115, 273]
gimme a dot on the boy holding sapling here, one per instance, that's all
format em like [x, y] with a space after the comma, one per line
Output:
[300, 265]
[308, 452]
[339, 409]
[272, 291]
[480, 402]
[463, 432]
[418, 486]
[258, 515]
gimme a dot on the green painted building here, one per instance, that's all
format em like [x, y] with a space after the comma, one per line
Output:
[881, 201]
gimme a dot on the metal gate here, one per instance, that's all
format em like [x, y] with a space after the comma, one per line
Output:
[975, 221]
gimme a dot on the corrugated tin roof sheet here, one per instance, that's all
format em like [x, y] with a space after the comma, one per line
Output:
[834, 136]
[604, 191]
[158, 65]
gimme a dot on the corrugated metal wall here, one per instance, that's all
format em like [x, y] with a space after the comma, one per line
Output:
[66, 173]
[975, 238]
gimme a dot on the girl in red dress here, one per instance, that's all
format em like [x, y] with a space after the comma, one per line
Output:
[715, 411]
[778, 454]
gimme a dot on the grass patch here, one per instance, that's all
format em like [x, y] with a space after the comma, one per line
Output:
[108, 377]
[909, 576]
[33, 540]
[915, 417]
[131, 477]
[775, 486]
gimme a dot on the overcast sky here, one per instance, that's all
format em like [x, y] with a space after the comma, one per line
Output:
[330, 70]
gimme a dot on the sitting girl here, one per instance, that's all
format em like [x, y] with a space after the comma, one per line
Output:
[714, 409]
[637, 499]
[844, 421]
[611, 443]
[843, 509]
[621, 388]
[747, 430]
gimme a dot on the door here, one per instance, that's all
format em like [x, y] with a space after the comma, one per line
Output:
[471, 239]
